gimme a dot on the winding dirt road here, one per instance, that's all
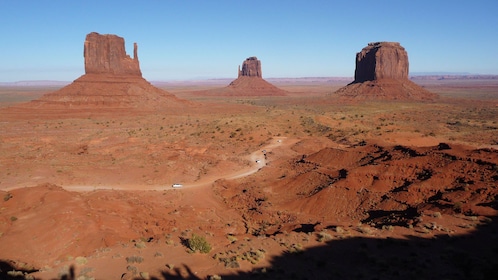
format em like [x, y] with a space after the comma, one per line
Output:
[257, 158]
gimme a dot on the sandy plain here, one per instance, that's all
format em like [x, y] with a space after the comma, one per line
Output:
[350, 190]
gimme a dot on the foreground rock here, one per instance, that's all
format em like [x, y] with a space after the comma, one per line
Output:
[112, 80]
[382, 73]
[379, 185]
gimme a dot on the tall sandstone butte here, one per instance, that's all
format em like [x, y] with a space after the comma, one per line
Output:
[251, 67]
[112, 79]
[382, 73]
[105, 54]
[250, 82]
[381, 60]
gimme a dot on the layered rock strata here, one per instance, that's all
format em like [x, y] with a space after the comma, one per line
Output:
[105, 54]
[250, 82]
[112, 79]
[381, 60]
[251, 67]
[382, 73]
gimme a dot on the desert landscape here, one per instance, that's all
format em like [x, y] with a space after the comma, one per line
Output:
[377, 176]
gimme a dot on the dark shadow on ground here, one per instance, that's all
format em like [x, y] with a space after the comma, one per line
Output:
[9, 272]
[472, 256]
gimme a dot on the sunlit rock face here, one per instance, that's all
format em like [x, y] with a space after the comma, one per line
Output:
[105, 54]
[381, 60]
[382, 74]
[251, 67]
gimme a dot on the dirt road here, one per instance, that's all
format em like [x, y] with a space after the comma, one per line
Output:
[257, 158]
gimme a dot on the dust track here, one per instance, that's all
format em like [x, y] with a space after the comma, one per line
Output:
[257, 158]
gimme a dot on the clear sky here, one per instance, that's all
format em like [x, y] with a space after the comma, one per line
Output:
[182, 39]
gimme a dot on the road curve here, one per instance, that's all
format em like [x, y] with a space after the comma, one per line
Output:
[257, 158]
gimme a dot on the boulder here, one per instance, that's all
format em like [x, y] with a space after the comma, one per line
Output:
[251, 67]
[105, 54]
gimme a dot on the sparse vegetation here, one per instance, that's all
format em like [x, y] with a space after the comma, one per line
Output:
[80, 260]
[134, 259]
[198, 243]
[177, 146]
[323, 236]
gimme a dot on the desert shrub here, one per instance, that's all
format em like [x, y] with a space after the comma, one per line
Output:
[134, 259]
[339, 229]
[140, 245]
[253, 256]
[81, 260]
[198, 243]
[364, 230]
[323, 236]
[144, 275]
[231, 238]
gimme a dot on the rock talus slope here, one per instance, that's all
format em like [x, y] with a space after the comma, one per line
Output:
[250, 81]
[382, 74]
[112, 80]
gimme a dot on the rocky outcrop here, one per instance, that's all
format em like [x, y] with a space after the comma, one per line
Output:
[112, 80]
[381, 60]
[105, 54]
[382, 73]
[250, 82]
[251, 67]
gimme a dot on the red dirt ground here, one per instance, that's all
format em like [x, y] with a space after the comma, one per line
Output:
[378, 189]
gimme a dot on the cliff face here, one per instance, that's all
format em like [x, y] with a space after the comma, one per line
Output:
[105, 54]
[250, 82]
[381, 60]
[251, 67]
[112, 80]
[382, 74]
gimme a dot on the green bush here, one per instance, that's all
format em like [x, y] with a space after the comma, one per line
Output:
[198, 243]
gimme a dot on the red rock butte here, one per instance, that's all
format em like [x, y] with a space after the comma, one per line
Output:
[382, 73]
[112, 79]
[250, 82]
[105, 54]
[251, 67]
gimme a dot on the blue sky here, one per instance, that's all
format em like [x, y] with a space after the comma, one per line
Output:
[181, 39]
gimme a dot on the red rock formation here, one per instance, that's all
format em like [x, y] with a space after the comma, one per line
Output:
[381, 60]
[105, 54]
[382, 73]
[250, 82]
[112, 80]
[251, 67]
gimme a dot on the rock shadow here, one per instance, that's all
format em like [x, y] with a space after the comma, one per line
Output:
[444, 256]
